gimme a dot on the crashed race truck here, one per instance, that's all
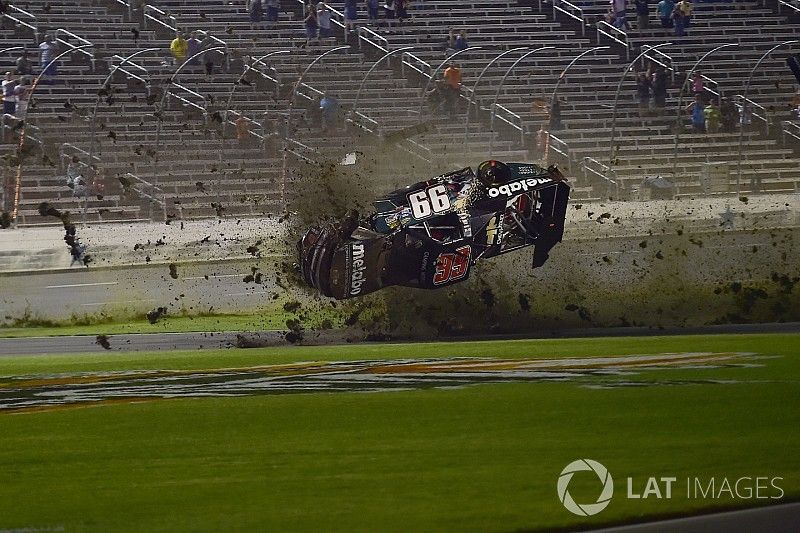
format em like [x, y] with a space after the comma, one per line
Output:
[430, 234]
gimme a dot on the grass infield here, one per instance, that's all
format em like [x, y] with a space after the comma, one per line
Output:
[482, 457]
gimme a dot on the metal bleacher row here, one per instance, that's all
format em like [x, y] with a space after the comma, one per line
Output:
[195, 167]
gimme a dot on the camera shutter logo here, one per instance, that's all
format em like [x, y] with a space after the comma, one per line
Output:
[585, 509]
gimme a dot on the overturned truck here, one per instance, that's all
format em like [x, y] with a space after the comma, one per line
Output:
[430, 234]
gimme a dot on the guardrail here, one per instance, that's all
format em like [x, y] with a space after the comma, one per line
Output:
[153, 14]
[62, 154]
[665, 61]
[413, 62]
[598, 173]
[128, 6]
[789, 129]
[130, 74]
[513, 120]
[615, 34]
[299, 149]
[150, 192]
[794, 5]
[570, 10]
[260, 136]
[370, 37]
[218, 42]
[83, 42]
[274, 79]
[10, 122]
[762, 115]
[203, 109]
[717, 92]
[560, 147]
[371, 126]
[19, 14]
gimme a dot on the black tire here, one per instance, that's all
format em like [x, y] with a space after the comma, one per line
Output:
[493, 172]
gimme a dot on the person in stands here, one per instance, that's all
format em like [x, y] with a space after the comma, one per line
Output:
[664, 9]
[372, 10]
[687, 9]
[642, 14]
[643, 93]
[9, 99]
[713, 117]
[697, 83]
[179, 47]
[697, 109]
[324, 18]
[679, 21]
[193, 45]
[23, 65]
[461, 41]
[658, 83]
[311, 23]
[22, 92]
[255, 11]
[270, 8]
[48, 51]
[452, 76]
[350, 15]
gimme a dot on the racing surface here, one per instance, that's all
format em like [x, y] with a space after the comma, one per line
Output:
[41, 391]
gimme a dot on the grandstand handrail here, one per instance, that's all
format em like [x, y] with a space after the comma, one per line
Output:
[85, 43]
[62, 153]
[511, 122]
[614, 33]
[31, 26]
[789, 4]
[6, 117]
[571, 11]
[792, 129]
[669, 65]
[130, 74]
[416, 149]
[560, 147]
[710, 81]
[127, 5]
[739, 101]
[370, 37]
[218, 42]
[203, 108]
[419, 61]
[337, 16]
[375, 130]
[258, 61]
[249, 120]
[147, 8]
[151, 197]
[603, 172]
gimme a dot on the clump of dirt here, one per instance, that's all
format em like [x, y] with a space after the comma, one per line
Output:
[103, 340]
[156, 314]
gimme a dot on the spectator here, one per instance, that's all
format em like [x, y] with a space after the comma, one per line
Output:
[452, 75]
[270, 8]
[389, 10]
[461, 41]
[729, 115]
[697, 83]
[436, 97]
[643, 93]
[311, 23]
[22, 92]
[178, 48]
[686, 8]
[324, 18]
[679, 21]
[48, 51]
[9, 98]
[193, 46]
[450, 43]
[255, 10]
[642, 14]
[555, 114]
[350, 15]
[697, 109]
[659, 86]
[618, 8]
[400, 10]
[372, 10]
[23, 67]
[713, 117]
[242, 130]
[664, 9]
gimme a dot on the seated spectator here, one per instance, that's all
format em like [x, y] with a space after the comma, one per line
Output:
[324, 19]
[9, 98]
[48, 52]
[697, 109]
[461, 41]
[178, 48]
[23, 65]
[664, 9]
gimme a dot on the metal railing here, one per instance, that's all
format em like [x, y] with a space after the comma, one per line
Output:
[602, 177]
[570, 10]
[337, 17]
[128, 73]
[260, 136]
[789, 129]
[159, 17]
[23, 18]
[72, 149]
[414, 63]
[202, 108]
[761, 114]
[300, 150]
[664, 60]
[149, 192]
[82, 49]
[127, 5]
[794, 5]
[364, 122]
[615, 34]
[560, 147]
[512, 119]
[370, 37]
[716, 91]
[216, 41]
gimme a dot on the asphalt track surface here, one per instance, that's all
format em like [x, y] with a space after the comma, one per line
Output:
[784, 518]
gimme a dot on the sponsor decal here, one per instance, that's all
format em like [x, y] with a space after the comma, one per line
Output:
[510, 189]
[494, 229]
[357, 269]
[452, 266]
[464, 218]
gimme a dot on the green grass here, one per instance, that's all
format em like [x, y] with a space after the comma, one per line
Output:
[476, 458]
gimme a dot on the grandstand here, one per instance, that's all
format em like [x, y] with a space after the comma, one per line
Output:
[186, 161]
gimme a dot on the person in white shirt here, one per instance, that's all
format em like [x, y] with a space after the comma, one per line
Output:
[324, 18]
